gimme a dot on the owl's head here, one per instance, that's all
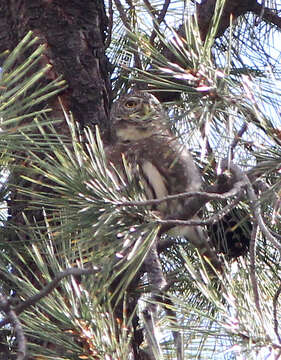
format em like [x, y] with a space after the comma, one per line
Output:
[137, 115]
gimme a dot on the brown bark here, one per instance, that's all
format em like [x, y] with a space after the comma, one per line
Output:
[74, 33]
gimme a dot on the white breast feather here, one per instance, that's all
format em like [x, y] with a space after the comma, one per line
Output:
[155, 180]
[133, 133]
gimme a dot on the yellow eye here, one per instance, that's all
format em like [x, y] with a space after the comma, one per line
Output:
[131, 104]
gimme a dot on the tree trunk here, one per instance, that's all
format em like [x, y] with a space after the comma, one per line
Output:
[74, 33]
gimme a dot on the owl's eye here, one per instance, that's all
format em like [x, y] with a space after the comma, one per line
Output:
[130, 104]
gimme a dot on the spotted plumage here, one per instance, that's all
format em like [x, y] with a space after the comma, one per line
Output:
[141, 132]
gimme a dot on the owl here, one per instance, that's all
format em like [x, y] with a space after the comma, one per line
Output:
[141, 132]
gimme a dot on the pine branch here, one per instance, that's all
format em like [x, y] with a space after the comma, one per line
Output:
[206, 195]
[31, 301]
[267, 14]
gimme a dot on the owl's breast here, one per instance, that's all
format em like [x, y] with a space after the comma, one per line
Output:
[162, 165]
[127, 132]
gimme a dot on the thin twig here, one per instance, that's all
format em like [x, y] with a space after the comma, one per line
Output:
[210, 196]
[110, 24]
[11, 314]
[163, 11]
[127, 25]
[209, 221]
[159, 20]
[150, 8]
[32, 300]
[207, 146]
[254, 205]
[168, 241]
[257, 213]
[271, 16]
[159, 286]
[173, 316]
[157, 282]
[259, 18]
[252, 251]
[276, 321]
[21, 353]
[224, 187]
[122, 14]
[236, 139]
[278, 355]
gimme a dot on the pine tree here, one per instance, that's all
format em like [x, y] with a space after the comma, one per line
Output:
[74, 233]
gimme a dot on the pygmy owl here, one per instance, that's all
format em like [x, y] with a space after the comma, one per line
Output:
[141, 132]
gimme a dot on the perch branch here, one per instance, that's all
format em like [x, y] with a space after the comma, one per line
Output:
[32, 300]
[206, 195]
[209, 221]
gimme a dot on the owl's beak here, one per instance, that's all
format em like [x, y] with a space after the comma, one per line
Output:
[142, 115]
[146, 109]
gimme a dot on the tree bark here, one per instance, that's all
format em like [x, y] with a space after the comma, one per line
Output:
[74, 33]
